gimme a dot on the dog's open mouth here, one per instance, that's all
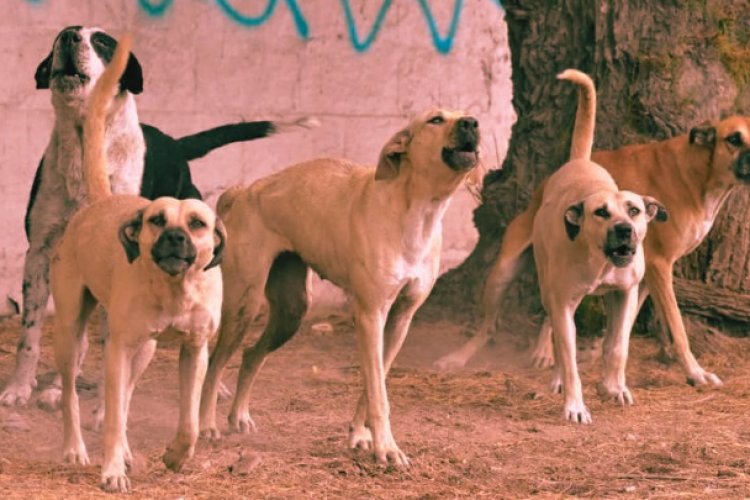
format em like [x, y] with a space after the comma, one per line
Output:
[461, 157]
[174, 265]
[621, 255]
[69, 74]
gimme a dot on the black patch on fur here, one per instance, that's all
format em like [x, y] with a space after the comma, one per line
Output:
[200, 144]
[32, 197]
[704, 135]
[43, 71]
[132, 78]
[571, 229]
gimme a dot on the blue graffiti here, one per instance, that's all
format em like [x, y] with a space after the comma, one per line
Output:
[442, 43]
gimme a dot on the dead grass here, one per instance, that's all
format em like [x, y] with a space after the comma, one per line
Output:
[491, 430]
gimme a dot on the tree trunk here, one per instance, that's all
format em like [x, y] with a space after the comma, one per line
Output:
[660, 66]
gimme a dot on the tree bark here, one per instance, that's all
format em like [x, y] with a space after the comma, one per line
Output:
[660, 66]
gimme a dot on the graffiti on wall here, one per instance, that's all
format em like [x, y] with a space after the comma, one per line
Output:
[360, 41]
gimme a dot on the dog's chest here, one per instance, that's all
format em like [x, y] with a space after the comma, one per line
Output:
[194, 322]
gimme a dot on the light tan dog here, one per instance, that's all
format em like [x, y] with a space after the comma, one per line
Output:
[587, 237]
[377, 233]
[692, 175]
[152, 265]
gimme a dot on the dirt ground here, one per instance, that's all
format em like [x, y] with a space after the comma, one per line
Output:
[490, 430]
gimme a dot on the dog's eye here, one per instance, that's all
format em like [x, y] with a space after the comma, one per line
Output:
[436, 120]
[735, 139]
[157, 220]
[197, 224]
[601, 212]
[633, 211]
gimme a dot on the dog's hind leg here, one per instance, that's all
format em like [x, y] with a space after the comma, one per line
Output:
[286, 291]
[74, 305]
[396, 327]
[622, 307]
[509, 262]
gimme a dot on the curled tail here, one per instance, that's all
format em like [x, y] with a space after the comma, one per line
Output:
[95, 172]
[583, 132]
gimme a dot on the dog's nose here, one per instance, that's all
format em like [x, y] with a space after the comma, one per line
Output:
[468, 123]
[174, 236]
[623, 231]
[70, 37]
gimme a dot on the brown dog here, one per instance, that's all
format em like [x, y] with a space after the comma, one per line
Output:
[153, 266]
[376, 232]
[692, 175]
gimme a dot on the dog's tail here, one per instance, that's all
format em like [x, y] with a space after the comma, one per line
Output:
[95, 174]
[583, 132]
[200, 144]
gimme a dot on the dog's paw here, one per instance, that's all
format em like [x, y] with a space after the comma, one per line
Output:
[16, 394]
[115, 483]
[49, 399]
[391, 454]
[702, 377]
[210, 433]
[224, 393]
[241, 422]
[556, 385]
[449, 362]
[577, 413]
[360, 437]
[176, 455]
[620, 394]
[543, 357]
[76, 454]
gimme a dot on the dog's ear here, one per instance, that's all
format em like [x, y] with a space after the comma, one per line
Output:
[221, 235]
[129, 236]
[43, 72]
[572, 218]
[703, 135]
[655, 210]
[391, 155]
[132, 77]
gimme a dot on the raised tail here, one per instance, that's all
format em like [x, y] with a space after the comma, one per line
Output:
[200, 144]
[583, 132]
[95, 172]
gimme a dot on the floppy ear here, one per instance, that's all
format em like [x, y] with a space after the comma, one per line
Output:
[132, 77]
[655, 210]
[391, 155]
[573, 217]
[221, 234]
[43, 72]
[129, 236]
[703, 135]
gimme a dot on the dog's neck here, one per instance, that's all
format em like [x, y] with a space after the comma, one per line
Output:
[710, 193]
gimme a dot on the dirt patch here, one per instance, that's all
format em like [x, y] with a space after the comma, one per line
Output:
[490, 430]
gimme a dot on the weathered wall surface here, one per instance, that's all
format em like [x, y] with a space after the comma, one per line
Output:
[363, 67]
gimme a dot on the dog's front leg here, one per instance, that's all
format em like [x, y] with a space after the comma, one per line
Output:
[622, 307]
[369, 325]
[659, 279]
[193, 365]
[564, 332]
[116, 375]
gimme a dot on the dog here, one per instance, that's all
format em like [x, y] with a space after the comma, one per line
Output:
[586, 238]
[153, 266]
[141, 159]
[692, 175]
[376, 233]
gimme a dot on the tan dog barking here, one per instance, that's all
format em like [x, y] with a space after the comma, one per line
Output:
[152, 265]
[377, 233]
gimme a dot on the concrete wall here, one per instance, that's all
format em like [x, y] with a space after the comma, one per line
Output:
[205, 65]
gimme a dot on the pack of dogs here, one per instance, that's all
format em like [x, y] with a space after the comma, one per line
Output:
[114, 220]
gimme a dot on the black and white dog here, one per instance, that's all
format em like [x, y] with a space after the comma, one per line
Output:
[141, 158]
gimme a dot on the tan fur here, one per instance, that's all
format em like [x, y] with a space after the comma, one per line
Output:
[125, 253]
[374, 232]
[95, 171]
[692, 180]
[583, 132]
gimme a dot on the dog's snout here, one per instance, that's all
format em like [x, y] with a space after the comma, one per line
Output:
[174, 236]
[70, 37]
[742, 167]
[623, 231]
[468, 123]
